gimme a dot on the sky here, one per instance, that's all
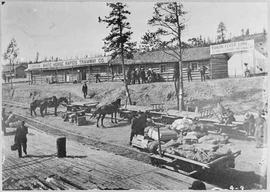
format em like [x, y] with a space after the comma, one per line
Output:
[69, 29]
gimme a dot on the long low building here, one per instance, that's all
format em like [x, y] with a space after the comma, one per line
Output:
[222, 61]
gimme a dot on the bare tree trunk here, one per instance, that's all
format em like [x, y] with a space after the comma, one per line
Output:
[181, 88]
[124, 74]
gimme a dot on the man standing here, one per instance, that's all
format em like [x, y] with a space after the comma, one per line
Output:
[20, 138]
[3, 120]
[260, 131]
[202, 71]
[97, 77]
[138, 125]
[249, 123]
[84, 90]
[143, 75]
[189, 70]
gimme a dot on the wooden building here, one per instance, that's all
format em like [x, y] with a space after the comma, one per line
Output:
[16, 71]
[158, 61]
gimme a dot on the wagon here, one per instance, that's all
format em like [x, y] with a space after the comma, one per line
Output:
[82, 106]
[181, 164]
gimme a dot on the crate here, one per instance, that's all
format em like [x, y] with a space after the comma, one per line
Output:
[81, 120]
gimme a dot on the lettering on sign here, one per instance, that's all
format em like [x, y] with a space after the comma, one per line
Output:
[58, 64]
[232, 47]
[69, 63]
[46, 65]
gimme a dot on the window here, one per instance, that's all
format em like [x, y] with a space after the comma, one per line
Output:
[194, 66]
[162, 68]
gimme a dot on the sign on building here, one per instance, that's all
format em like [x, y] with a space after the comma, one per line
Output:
[232, 47]
[69, 63]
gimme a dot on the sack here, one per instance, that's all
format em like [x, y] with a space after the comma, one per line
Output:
[14, 147]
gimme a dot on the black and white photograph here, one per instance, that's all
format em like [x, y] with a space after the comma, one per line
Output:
[134, 95]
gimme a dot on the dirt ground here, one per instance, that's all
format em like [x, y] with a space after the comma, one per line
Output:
[240, 95]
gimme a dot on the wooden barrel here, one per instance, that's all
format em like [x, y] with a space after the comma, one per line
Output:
[61, 147]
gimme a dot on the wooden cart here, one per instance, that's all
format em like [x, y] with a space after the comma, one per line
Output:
[188, 167]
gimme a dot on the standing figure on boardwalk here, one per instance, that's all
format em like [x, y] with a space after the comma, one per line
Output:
[189, 70]
[143, 76]
[21, 139]
[202, 71]
[97, 77]
[137, 75]
[260, 132]
[138, 124]
[84, 90]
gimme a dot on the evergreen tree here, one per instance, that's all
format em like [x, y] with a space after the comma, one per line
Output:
[221, 33]
[118, 42]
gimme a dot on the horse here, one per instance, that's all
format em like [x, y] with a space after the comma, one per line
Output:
[53, 102]
[107, 109]
[47, 102]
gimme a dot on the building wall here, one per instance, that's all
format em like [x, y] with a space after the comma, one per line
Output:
[218, 66]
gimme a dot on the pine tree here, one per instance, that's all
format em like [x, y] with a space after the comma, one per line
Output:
[118, 42]
[221, 32]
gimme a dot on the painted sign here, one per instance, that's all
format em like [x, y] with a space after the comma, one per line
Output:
[232, 47]
[69, 63]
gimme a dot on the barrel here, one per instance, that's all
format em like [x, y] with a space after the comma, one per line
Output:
[61, 147]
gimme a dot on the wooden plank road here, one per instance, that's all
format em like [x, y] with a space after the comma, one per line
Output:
[84, 168]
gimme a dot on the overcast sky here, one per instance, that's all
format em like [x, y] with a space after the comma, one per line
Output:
[64, 29]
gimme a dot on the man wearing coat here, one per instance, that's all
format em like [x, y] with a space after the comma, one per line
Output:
[84, 90]
[138, 124]
[21, 139]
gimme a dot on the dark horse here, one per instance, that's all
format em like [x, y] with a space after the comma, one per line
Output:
[107, 109]
[45, 103]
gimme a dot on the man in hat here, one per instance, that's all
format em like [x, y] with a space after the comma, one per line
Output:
[249, 123]
[197, 185]
[138, 124]
[84, 90]
[20, 138]
[189, 70]
[260, 131]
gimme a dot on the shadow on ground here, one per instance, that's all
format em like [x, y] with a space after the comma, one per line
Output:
[235, 178]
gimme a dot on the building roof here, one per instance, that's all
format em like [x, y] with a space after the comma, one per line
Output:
[6, 68]
[190, 54]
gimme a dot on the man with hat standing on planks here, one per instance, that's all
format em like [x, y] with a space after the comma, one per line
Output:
[20, 138]
[138, 124]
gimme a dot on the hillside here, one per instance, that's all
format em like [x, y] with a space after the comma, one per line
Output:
[240, 94]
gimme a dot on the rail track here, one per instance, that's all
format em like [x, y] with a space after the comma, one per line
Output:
[117, 149]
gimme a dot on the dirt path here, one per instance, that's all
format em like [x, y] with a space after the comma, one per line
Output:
[249, 170]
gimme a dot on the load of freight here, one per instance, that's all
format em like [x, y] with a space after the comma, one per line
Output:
[205, 149]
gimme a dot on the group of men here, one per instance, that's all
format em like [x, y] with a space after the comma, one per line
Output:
[202, 72]
[141, 76]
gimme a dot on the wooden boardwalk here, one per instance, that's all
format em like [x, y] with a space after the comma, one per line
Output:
[85, 167]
